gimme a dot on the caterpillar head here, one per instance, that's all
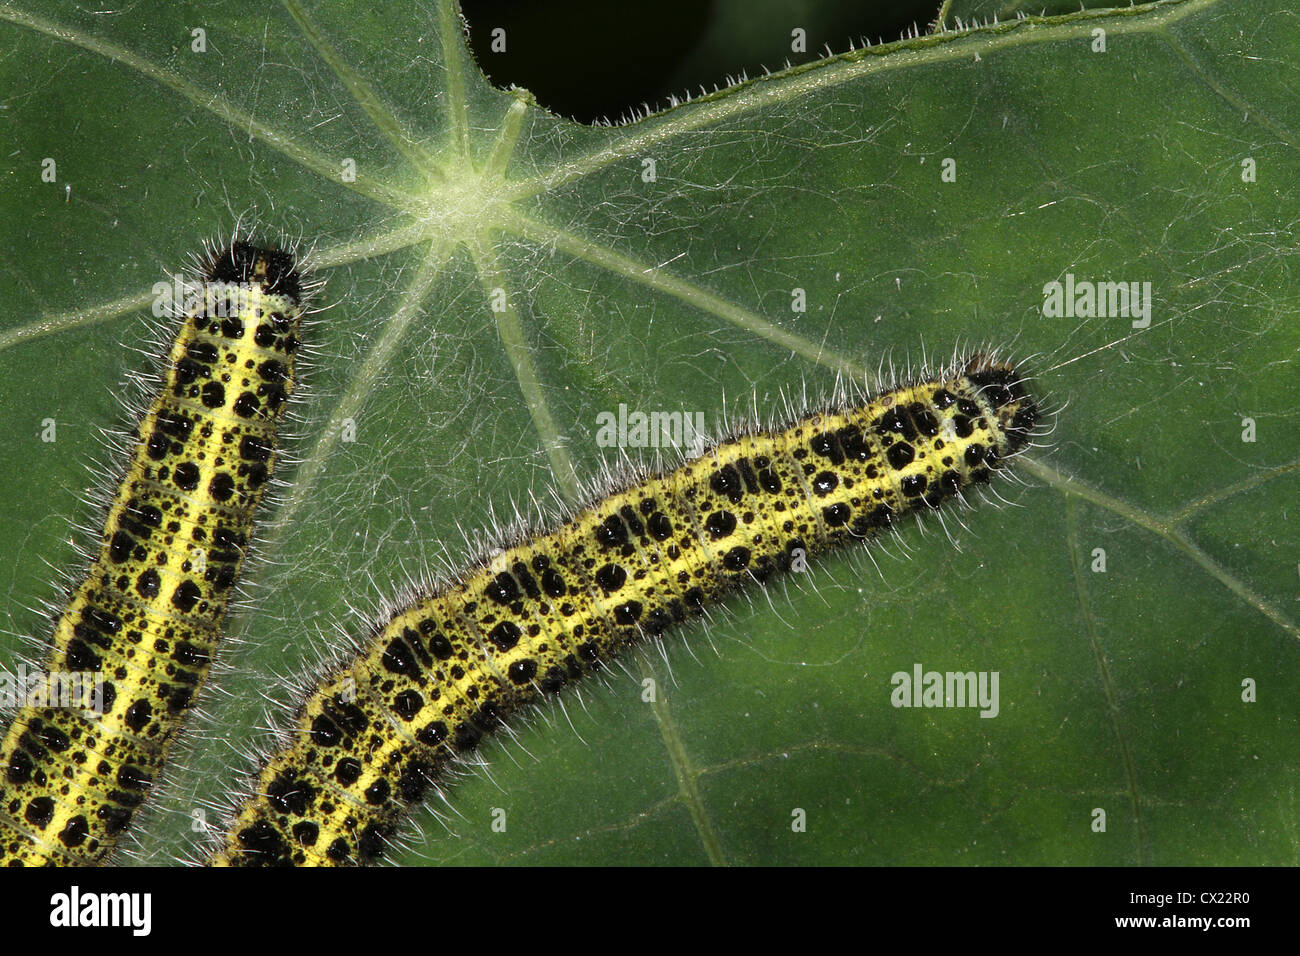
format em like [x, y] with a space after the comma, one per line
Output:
[244, 263]
[1002, 385]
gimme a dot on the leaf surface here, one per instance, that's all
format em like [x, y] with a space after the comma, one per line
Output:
[1119, 690]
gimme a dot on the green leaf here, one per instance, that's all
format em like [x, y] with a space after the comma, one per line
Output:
[1119, 690]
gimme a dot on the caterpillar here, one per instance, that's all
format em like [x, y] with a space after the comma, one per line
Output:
[450, 667]
[146, 617]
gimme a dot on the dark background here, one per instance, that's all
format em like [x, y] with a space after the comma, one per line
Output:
[594, 60]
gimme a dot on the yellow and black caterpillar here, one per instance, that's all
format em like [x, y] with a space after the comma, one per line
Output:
[447, 669]
[147, 615]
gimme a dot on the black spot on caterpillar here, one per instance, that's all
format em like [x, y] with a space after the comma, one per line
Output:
[446, 670]
[146, 617]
